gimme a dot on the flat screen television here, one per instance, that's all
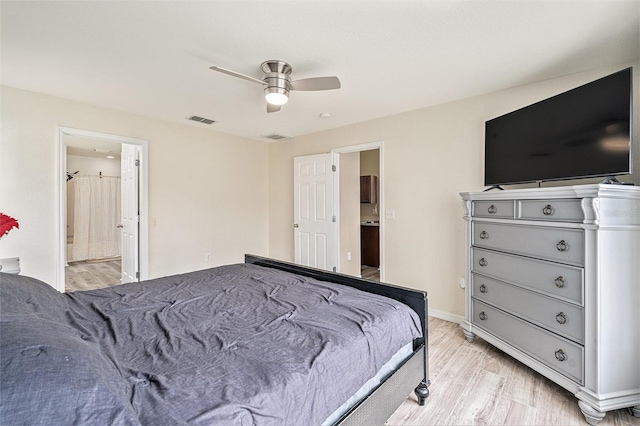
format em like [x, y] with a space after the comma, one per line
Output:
[584, 132]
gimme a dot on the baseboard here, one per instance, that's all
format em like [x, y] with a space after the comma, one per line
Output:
[446, 316]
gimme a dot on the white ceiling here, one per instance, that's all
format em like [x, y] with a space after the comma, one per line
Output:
[152, 58]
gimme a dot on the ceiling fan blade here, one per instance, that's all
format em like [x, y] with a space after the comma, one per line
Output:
[316, 83]
[273, 108]
[236, 74]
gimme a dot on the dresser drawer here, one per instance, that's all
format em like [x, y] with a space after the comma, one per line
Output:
[553, 279]
[554, 351]
[498, 209]
[551, 210]
[556, 244]
[552, 314]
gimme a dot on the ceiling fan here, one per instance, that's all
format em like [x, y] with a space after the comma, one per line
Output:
[277, 82]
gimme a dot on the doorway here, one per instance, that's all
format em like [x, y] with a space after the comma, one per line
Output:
[361, 237]
[93, 250]
[96, 249]
[370, 214]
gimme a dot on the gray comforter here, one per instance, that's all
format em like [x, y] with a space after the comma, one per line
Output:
[239, 344]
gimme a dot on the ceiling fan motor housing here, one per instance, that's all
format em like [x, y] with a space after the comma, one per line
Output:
[276, 77]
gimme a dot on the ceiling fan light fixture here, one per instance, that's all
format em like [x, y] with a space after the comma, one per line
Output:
[276, 97]
[277, 82]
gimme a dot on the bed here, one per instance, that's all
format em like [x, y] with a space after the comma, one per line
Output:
[263, 342]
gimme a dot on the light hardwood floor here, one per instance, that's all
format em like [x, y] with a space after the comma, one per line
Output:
[370, 272]
[477, 384]
[89, 275]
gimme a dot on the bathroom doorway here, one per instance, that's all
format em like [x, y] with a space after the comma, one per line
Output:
[103, 237]
[93, 180]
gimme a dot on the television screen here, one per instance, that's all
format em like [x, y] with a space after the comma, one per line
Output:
[585, 132]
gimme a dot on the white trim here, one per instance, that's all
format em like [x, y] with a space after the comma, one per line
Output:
[61, 132]
[446, 316]
[335, 161]
[369, 146]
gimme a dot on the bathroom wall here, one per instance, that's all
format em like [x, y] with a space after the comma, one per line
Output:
[370, 166]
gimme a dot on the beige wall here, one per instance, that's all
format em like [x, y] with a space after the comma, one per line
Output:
[430, 155]
[93, 165]
[350, 213]
[208, 191]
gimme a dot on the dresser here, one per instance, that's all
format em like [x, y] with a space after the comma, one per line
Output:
[553, 279]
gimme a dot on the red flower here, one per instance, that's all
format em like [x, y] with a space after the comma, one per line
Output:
[7, 223]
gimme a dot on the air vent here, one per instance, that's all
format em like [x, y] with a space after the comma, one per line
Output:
[275, 136]
[201, 119]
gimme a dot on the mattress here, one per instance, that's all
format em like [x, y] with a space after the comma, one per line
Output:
[384, 372]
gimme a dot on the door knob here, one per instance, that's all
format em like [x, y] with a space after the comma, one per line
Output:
[120, 226]
[295, 225]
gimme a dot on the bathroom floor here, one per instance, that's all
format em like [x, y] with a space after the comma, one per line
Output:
[92, 274]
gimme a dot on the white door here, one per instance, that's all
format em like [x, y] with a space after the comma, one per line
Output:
[130, 214]
[315, 222]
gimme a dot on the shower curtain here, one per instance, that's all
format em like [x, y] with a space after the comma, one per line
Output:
[96, 215]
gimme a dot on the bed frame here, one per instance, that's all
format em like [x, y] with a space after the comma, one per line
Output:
[413, 374]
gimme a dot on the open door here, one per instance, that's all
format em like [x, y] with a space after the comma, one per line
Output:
[315, 221]
[130, 225]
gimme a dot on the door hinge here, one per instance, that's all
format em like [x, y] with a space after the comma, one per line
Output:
[334, 219]
[137, 275]
[333, 167]
[137, 163]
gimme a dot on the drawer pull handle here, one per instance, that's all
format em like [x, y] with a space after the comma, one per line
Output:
[560, 282]
[483, 262]
[561, 355]
[562, 246]
[561, 318]
[492, 209]
[482, 316]
[484, 235]
[483, 288]
[548, 210]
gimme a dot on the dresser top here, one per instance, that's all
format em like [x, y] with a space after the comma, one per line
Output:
[574, 191]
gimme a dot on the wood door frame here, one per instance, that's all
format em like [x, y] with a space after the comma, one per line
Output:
[370, 146]
[143, 195]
